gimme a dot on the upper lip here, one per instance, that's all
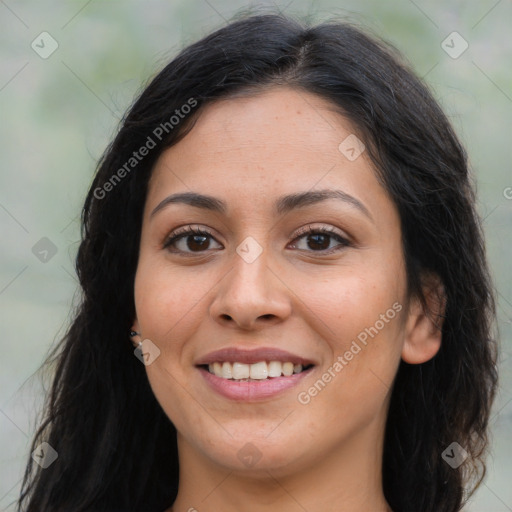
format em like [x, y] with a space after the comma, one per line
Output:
[238, 355]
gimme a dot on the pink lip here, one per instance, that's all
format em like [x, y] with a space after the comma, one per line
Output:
[252, 391]
[236, 355]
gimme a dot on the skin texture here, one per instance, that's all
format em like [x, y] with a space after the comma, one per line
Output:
[325, 455]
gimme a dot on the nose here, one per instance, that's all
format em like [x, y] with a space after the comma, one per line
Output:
[251, 295]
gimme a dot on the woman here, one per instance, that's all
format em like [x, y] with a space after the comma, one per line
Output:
[286, 300]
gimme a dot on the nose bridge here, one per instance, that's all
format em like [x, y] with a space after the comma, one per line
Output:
[250, 290]
[250, 268]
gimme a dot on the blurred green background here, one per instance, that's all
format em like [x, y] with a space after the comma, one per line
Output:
[60, 110]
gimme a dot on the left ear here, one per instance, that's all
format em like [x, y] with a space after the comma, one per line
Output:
[423, 330]
[135, 327]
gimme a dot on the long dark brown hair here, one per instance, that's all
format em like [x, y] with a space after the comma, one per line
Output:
[116, 448]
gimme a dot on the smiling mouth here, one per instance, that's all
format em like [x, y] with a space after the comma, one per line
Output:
[259, 371]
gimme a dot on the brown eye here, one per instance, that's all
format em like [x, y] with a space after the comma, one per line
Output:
[190, 241]
[320, 239]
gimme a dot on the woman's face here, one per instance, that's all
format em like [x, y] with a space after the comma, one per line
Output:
[262, 289]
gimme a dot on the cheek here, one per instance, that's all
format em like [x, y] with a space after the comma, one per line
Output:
[350, 302]
[167, 308]
[360, 317]
[166, 298]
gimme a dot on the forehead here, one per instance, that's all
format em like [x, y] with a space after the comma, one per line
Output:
[281, 121]
[252, 148]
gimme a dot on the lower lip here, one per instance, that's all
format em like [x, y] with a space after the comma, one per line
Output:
[250, 391]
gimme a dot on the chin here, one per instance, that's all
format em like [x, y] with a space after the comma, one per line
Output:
[254, 456]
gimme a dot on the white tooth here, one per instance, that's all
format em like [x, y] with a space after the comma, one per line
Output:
[287, 369]
[226, 370]
[259, 371]
[217, 368]
[297, 368]
[274, 369]
[240, 371]
[210, 368]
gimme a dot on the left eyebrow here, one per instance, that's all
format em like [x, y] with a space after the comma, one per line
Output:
[302, 199]
[282, 205]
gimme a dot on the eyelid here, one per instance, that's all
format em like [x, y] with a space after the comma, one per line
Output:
[188, 230]
[299, 232]
[313, 228]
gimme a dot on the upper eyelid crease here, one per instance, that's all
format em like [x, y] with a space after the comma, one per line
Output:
[186, 231]
[282, 205]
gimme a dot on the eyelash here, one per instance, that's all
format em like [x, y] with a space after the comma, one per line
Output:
[309, 230]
